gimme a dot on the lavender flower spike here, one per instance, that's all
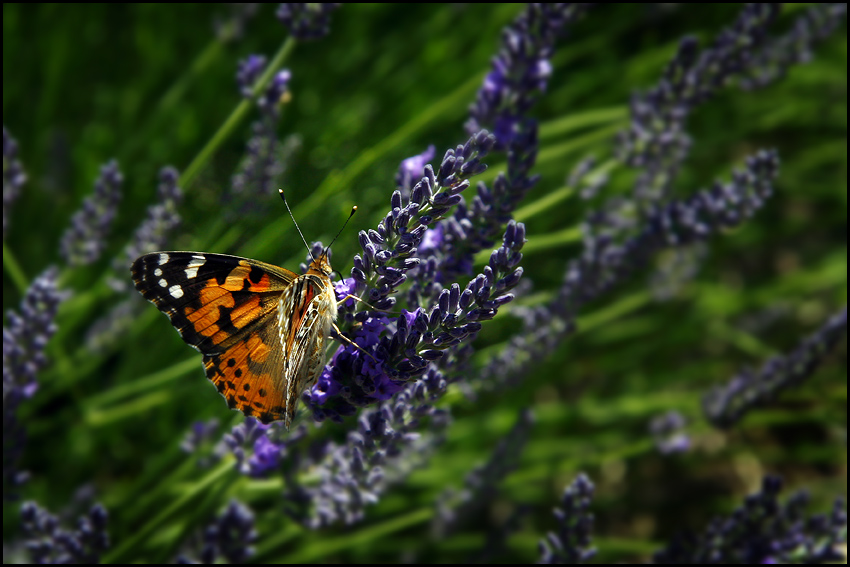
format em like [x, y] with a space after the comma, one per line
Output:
[307, 20]
[571, 544]
[726, 405]
[85, 239]
[764, 531]
[13, 175]
[24, 341]
[49, 543]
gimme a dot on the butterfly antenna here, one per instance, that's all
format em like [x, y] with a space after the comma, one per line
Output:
[282, 196]
[351, 214]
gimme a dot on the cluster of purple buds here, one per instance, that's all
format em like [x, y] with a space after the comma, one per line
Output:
[390, 251]
[85, 239]
[47, 542]
[247, 73]
[307, 20]
[393, 352]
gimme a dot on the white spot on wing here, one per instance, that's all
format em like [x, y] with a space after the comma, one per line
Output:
[176, 291]
[157, 272]
[163, 283]
[194, 264]
[163, 258]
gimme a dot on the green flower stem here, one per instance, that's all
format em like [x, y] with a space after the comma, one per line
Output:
[236, 116]
[127, 548]
[16, 274]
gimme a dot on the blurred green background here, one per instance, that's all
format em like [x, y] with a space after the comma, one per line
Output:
[150, 85]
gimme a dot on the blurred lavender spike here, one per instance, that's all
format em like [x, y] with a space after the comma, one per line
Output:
[668, 432]
[229, 538]
[247, 72]
[763, 530]
[521, 70]
[482, 483]
[307, 20]
[571, 543]
[14, 176]
[771, 63]
[24, 343]
[47, 542]
[606, 263]
[85, 239]
[657, 140]
[726, 405]
[161, 220]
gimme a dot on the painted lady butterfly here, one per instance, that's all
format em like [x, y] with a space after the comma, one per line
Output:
[261, 328]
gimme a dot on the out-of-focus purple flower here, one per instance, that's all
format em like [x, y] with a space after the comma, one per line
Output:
[482, 483]
[275, 94]
[262, 167]
[657, 141]
[14, 176]
[85, 239]
[571, 543]
[258, 447]
[24, 342]
[26, 337]
[153, 232]
[725, 406]
[606, 262]
[199, 440]
[47, 542]
[353, 474]
[763, 530]
[247, 73]
[520, 71]
[412, 169]
[777, 55]
[229, 538]
[305, 20]
[668, 432]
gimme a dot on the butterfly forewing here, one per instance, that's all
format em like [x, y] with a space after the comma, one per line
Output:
[260, 327]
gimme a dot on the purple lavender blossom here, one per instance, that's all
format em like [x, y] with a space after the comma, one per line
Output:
[519, 76]
[520, 71]
[571, 543]
[24, 343]
[160, 221]
[481, 485]
[262, 167]
[14, 176]
[412, 169]
[307, 21]
[354, 474]
[726, 405]
[228, 538]
[656, 140]
[276, 94]
[85, 239]
[668, 432]
[259, 448]
[247, 73]
[47, 542]
[770, 63]
[764, 531]
[605, 263]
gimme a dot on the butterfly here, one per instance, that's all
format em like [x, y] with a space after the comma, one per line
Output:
[260, 327]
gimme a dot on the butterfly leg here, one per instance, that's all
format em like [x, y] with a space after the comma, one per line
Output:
[352, 296]
[345, 339]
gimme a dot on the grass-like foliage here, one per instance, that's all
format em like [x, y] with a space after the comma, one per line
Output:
[601, 252]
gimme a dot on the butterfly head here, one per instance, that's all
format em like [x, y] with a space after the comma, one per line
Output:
[321, 266]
